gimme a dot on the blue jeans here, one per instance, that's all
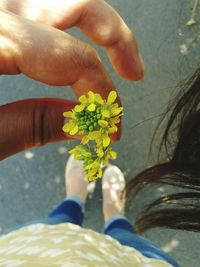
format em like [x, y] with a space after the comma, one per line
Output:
[118, 227]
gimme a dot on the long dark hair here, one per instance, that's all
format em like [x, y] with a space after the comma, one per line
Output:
[180, 169]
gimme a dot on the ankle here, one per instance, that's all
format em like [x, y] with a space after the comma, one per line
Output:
[109, 212]
[114, 218]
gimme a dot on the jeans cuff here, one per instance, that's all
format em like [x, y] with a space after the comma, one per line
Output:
[78, 201]
[112, 219]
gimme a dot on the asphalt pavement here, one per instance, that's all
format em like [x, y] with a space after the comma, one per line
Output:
[32, 182]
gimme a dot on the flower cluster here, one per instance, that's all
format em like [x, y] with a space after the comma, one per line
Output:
[94, 119]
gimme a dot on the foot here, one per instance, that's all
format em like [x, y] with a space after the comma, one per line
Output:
[113, 184]
[75, 179]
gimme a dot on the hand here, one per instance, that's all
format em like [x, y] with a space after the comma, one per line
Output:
[95, 18]
[54, 57]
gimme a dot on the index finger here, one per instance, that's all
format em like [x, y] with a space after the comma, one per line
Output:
[104, 26]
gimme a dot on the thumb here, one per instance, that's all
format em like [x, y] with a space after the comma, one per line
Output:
[32, 122]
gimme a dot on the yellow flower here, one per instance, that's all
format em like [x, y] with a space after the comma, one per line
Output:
[106, 139]
[92, 98]
[69, 114]
[111, 97]
[100, 152]
[103, 123]
[109, 155]
[95, 119]
[94, 170]
[91, 107]
[71, 127]
[80, 153]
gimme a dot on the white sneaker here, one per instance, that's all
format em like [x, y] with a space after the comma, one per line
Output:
[76, 181]
[113, 185]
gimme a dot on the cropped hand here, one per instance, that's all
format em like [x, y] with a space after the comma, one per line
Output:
[54, 57]
[96, 19]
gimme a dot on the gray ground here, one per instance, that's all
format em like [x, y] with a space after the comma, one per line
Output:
[31, 183]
